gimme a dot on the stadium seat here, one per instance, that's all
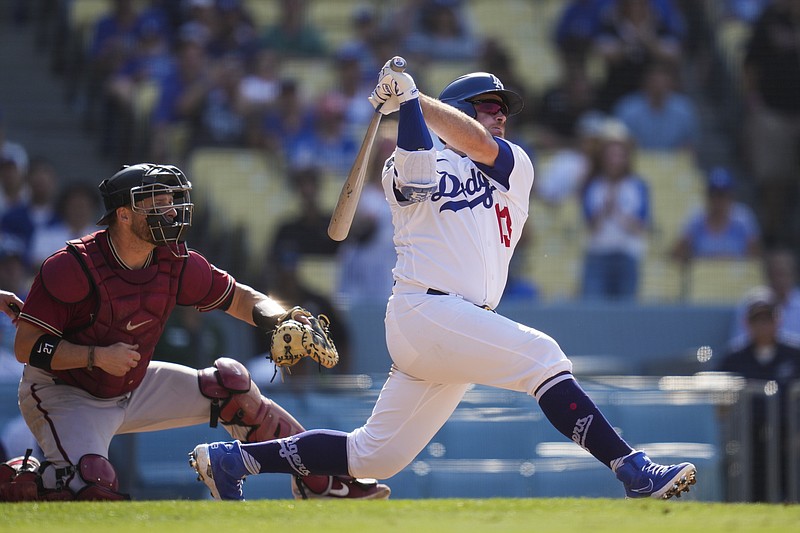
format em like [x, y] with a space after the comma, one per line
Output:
[246, 188]
[319, 273]
[660, 280]
[554, 258]
[722, 281]
[676, 188]
[524, 28]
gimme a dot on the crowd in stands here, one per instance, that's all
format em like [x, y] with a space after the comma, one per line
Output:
[161, 79]
[155, 80]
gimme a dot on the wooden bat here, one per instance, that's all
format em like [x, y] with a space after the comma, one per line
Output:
[342, 217]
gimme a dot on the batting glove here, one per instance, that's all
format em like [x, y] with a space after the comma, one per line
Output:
[383, 100]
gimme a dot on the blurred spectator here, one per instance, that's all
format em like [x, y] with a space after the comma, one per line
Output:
[772, 135]
[13, 187]
[723, 228]
[443, 30]
[307, 231]
[360, 46]
[633, 33]
[221, 121]
[748, 11]
[133, 90]
[191, 338]
[766, 358]
[563, 104]
[569, 169]
[658, 116]
[198, 22]
[350, 87]
[366, 258]
[576, 28]
[616, 208]
[234, 32]
[181, 97]
[78, 209]
[113, 40]
[15, 276]
[39, 210]
[12, 150]
[496, 58]
[330, 140]
[261, 84]
[780, 272]
[293, 34]
[287, 124]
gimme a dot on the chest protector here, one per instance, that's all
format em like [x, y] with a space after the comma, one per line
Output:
[131, 306]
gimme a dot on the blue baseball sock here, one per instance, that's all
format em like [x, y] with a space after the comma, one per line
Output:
[575, 415]
[318, 451]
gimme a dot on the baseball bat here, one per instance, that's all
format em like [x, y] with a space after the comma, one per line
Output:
[342, 217]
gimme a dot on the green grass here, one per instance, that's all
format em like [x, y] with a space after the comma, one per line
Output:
[415, 516]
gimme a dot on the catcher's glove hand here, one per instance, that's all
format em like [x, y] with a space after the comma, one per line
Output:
[292, 340]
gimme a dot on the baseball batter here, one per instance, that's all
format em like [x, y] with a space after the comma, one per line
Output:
[458, 214]
[88, 329]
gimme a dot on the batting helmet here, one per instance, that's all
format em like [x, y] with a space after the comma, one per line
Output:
[133, 183]
[460, 91]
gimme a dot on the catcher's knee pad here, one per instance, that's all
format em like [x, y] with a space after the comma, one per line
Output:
[19, 479]
[237, 400]
[101, 479]
[94, 478]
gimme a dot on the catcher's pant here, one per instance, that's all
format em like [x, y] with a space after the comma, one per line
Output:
[440, 345]
[69, 423]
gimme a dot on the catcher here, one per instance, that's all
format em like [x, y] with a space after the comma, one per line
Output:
[86, 335]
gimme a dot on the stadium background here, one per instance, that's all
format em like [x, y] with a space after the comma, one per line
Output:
[645, 363]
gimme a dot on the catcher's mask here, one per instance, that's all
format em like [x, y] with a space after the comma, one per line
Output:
[460, 92]
[132, 184]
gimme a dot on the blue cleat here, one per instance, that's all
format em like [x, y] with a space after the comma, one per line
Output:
[221, 467]
[645, 479]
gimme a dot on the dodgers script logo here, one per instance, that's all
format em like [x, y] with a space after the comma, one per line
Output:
[289, 452]
[477, 190]
[581, 430]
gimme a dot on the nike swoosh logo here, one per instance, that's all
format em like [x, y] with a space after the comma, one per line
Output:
[131, 327]
[341, 493]
[648, 488]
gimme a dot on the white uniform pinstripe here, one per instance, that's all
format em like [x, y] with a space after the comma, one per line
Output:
[459, 242]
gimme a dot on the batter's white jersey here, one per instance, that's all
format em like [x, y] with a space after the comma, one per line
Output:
[461, 240]
[459, 243]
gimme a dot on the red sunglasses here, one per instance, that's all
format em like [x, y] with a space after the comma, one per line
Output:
[491, 107]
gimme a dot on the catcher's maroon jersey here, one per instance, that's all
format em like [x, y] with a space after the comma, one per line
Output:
[84, 294]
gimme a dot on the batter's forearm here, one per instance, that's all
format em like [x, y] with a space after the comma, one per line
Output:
[459, 130]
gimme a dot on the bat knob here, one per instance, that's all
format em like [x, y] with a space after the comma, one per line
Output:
[398, 64]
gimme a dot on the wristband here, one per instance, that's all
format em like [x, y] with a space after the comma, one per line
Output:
[43, 351]
[266, 314]
[90, 361]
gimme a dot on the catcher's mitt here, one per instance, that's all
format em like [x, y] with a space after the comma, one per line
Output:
[292, 340]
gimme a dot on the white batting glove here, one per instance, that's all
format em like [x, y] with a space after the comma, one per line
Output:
[383, 100]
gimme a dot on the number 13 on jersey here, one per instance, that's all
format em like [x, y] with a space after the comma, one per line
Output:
[504, 224]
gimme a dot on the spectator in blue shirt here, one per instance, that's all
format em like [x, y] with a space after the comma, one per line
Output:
[659, 117]
[616, 208]
[723, 228]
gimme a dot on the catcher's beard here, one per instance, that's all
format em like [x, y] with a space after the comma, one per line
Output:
[141, 229]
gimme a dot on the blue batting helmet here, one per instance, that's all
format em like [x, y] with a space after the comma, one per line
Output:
[460, 91]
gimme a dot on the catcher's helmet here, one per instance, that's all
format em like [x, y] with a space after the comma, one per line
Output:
[133, 183]
[460, 91]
